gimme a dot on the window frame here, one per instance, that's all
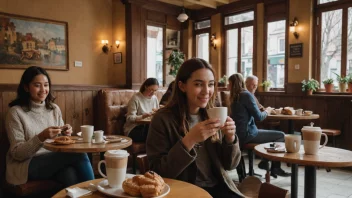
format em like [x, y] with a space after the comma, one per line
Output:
[239, 27]
[198, 32]
[319, 10]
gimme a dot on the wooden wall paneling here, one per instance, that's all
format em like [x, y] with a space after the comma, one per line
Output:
[156, 16]
[2, 117]
[70, 109]
[61, 102]
[78, 111]
[173, 23]
[87, 101]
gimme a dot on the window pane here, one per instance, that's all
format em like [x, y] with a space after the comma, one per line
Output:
[202, 44]
[247, 16]
[247, 51]
[232, 44]
[276, 53]
[202, 24]
[349, 42]
[155, 53]
[325, 1]
[330, 57]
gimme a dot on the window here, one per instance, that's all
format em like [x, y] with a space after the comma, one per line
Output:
[155, 53]
[275, 53]
[239, 43]
[334, 40]
[202, 45]
[325, 1]
[202, 32]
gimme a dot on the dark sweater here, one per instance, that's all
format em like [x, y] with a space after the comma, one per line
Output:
[245, 112]
[168, 157]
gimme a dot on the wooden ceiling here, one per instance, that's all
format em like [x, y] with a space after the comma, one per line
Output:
[198, 4]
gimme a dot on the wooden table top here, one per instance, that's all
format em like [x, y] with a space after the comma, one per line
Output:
[327, 156]
[144, 121]
[177, 189]
[292, 117]
[80, 147]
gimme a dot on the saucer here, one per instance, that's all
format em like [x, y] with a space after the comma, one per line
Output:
[104, 188]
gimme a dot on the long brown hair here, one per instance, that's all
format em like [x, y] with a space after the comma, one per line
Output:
[178, 103]
[236, 86]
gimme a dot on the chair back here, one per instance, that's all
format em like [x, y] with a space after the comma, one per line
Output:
[269, 190]
[143, 163]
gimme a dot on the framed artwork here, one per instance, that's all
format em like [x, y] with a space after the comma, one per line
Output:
[172, 39]
[117, 57]
[27, 41]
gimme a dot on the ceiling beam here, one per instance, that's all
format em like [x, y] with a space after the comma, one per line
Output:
[206, 3]
[174, 2]
[223, 1]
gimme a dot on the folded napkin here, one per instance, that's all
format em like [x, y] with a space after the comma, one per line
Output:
[77, 192]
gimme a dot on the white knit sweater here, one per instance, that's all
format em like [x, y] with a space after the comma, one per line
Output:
[137, 106]
[22, 129]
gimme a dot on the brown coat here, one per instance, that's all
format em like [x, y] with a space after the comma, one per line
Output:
[168, 157]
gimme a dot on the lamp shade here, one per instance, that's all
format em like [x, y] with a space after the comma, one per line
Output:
[182, 17]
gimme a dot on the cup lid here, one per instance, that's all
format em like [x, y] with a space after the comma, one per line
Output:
[310, 128]
[116, 153]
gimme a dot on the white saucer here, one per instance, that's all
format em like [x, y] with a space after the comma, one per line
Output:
[104, 188]
[79, 134]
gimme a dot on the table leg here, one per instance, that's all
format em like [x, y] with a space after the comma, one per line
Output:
[310, 185]
[291, 128]
[294, 180]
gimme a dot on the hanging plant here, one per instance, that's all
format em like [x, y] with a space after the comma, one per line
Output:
[175, 61]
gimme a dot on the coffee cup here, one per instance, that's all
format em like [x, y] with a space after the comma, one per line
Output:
[308, 113]
[218, 112]
[278, 111]
[299, 112]
[87, 133]
[98, 136]
[116, 165]
[311, 139]
[292, 143]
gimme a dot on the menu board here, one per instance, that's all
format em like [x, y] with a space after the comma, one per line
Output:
[296, 50]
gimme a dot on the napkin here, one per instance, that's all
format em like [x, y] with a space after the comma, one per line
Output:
[76, 192]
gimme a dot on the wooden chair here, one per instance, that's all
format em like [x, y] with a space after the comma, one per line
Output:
[135, 149]
[253, 187]
[269, 190]
[332, 133]
[143, 163]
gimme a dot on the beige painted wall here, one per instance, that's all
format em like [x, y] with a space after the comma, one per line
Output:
[89, 22]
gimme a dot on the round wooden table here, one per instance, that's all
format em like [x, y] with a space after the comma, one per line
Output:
[291, 118]
[144, 121]
[326, 157]
[80, 147]
[177, 189]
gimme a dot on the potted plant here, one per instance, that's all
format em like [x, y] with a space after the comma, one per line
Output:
[342, 82]
[329, 85]
[175, 60]
[310, 86]
[266, 85]
[350, 83]
[222, 81]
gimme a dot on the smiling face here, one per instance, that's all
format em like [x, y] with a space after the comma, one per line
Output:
[38, 88]
[199, 88]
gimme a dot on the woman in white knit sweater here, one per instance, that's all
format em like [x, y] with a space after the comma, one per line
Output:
[141, 106]
[33, 118]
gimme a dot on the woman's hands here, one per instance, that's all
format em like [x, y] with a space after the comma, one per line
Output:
[66, 130]
[54, 131]
[200, 132]
[229, 130]
[146, 115]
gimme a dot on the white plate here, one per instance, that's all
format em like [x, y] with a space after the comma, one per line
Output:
[104, 188]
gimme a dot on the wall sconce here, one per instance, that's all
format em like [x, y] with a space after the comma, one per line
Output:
[213, 41]
[293, 25]
[117, 42]
[105, 47]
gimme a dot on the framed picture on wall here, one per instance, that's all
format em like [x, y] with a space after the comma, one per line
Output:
[117, 57]
[172, 38]
[27, 41]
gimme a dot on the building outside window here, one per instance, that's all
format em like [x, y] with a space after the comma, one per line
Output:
[155, 53]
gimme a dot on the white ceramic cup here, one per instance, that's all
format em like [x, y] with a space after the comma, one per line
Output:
[218, 112]
[311, 139]
[292, 143]
[299, 112]
[116, 165]
[98, 136]
[87, 133]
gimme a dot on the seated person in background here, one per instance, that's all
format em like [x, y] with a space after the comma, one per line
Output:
[165, 99]
[179, 142]
[141, 105]
[252, 85]
[244, 110]
[33, 118]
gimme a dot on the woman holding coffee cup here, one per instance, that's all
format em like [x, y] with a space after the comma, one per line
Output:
[33, 118]
[245, 111]
[141, 105]
[179, 144]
